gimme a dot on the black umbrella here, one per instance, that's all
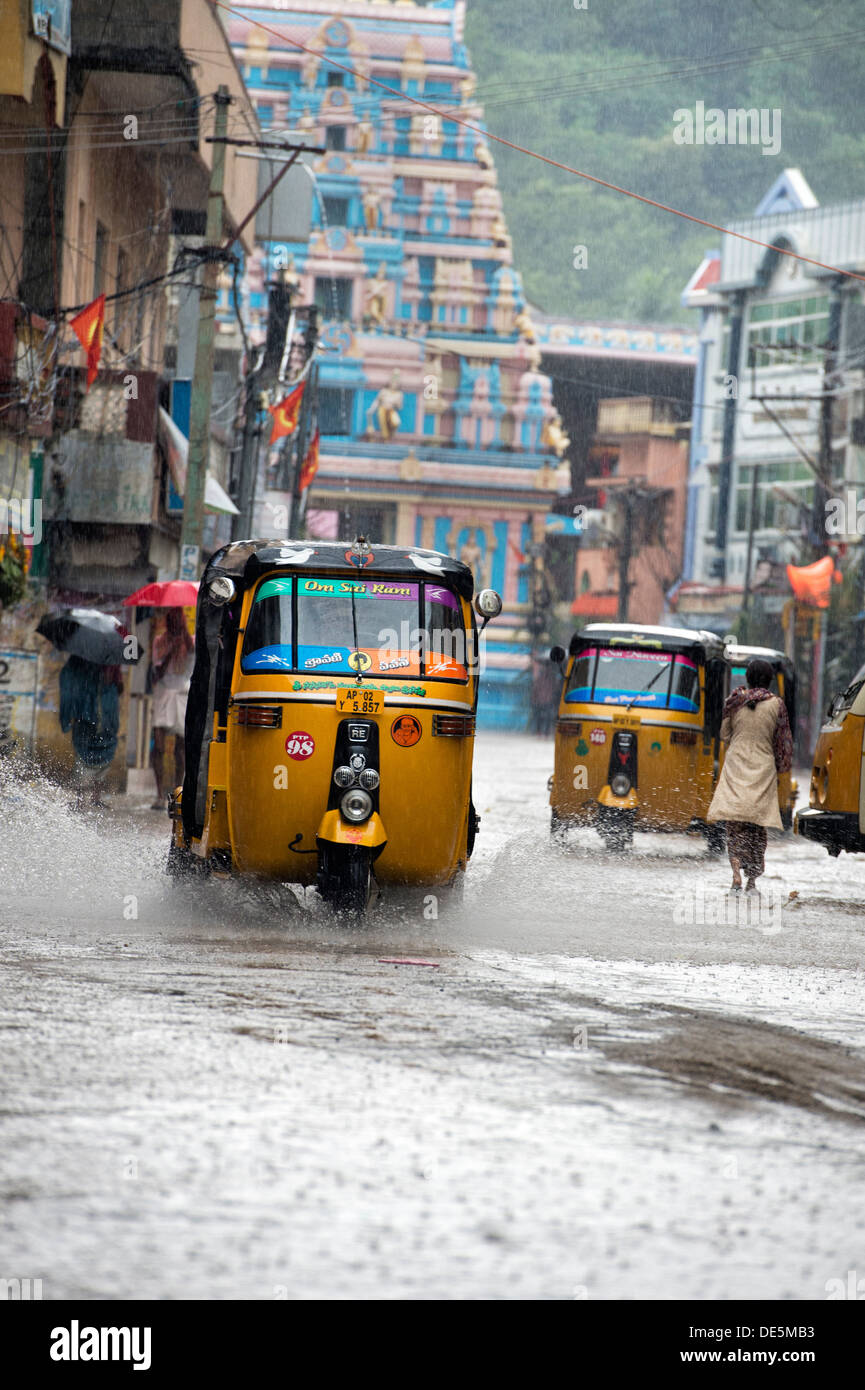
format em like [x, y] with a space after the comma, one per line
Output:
[90, 634]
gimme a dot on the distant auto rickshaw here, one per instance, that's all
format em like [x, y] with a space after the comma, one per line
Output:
[331, 718]
[638, 731]
[836, 814]
[783, 684]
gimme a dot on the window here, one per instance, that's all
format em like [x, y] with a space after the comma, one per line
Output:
[336, 79]
[99, 258]
[317, 625]
[335, 410]
[333, 296]
[335, 211]
[334, 137]
[648, 680]
[800, 321]
[783, 491]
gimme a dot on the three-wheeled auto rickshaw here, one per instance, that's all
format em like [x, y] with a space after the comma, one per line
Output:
[638, 731]
[835, 816]
[331, 717]
[783, 684]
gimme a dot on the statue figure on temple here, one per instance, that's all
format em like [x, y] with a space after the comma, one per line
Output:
[372, 209]
[364, 136]
[483, 156]
[554, 435]
[385, 409]
[524, 326]
[376, 295]
[467, 88]
[309, 68]
[290, 275]
[471, 553]
[499, 232]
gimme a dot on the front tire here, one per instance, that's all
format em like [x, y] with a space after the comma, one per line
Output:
[617, 831]
[344, 877]
[716, 839]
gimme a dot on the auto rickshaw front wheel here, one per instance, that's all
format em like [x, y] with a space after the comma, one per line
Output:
[716, 839]
[182, 865]
[344, 877]
[617, 829]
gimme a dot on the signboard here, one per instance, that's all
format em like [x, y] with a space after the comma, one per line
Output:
[52, 23]
[190, 559]
[18, 680]
[108, 479]
[560, 524]
[286, 214]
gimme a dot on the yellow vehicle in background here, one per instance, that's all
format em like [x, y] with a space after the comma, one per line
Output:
[783, 684]
[836, 814]
[638, 731]
[331, 718]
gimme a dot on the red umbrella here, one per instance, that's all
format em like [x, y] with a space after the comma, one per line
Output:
[171, 593]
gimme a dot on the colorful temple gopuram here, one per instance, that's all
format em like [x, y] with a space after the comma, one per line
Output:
[437, 426]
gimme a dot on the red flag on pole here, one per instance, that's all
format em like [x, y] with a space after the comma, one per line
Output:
[309, 468]
[88, 327]
[285, 413]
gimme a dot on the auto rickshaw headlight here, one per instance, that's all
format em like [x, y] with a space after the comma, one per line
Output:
[356, 805]
[221, 590]
[369, 778]
[620, 785]
[344, 776]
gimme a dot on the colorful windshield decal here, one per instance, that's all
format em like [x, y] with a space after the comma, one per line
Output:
[362, 588]
[274, 588]
[434, 594]
[273, 658]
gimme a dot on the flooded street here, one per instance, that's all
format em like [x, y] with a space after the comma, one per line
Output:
[581, 1085]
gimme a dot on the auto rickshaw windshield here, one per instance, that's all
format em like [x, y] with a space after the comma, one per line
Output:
[329, 625]
[648, 680]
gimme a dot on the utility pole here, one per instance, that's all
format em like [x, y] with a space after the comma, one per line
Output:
[202, 382]
[308, 412]
[626, 550]
[822, 491]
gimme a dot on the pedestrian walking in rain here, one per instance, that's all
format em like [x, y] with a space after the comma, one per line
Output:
[170, 673]
[756, 730]
[90, 707]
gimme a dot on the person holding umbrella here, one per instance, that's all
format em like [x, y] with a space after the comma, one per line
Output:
[90, 707]
[90, 684]
[171, 663]
[170, 672]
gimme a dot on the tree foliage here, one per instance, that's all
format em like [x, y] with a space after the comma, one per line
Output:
[597, 88]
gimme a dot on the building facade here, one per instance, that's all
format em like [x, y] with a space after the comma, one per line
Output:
[437, 424]
[779, 410]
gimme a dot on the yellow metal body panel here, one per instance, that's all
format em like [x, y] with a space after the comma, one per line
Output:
[271, 799]
[370, 833]
[837, 771]
[675, 781]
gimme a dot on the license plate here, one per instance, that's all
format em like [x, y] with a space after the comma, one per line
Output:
[624, 721]
[359, 701]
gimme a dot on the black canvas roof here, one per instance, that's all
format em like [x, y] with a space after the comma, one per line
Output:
[668, 639]
[244, 561]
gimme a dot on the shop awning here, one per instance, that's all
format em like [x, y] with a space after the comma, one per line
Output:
[176, 447]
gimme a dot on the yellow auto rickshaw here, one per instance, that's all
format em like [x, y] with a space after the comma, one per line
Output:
[783, 684]
[638, 731]
[331, 718]
[836, 814]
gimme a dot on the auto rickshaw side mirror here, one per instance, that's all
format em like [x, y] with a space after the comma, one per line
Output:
[557, 656]
[834, 706]
[488, 604]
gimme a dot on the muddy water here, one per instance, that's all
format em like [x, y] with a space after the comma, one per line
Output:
[591, 1089]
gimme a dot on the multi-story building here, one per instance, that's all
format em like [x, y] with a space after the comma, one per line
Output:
[104, 173]
[779, 407]
[437, 425]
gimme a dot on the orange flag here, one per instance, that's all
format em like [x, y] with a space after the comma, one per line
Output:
[285, 414]
[88, 327]
[309, 468]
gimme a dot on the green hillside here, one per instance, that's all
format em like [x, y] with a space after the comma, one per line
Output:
[597, 88]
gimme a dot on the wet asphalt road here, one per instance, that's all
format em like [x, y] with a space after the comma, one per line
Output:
[594, 1089]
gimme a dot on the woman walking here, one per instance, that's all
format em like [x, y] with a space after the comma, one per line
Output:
[171, 669]
[756, 730]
